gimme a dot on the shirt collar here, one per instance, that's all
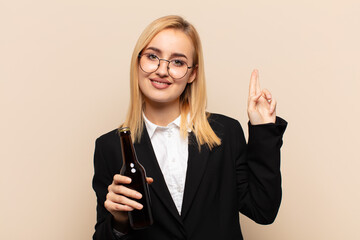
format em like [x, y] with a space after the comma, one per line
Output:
[151, 127]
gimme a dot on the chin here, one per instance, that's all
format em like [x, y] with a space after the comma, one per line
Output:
[162, 100]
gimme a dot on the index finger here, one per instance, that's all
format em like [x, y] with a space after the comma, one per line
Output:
[254, 87]
[258, 89]
[120, 179]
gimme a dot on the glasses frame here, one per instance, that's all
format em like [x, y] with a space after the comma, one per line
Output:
[166, 60]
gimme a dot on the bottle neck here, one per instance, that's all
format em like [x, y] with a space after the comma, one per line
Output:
[128, 151]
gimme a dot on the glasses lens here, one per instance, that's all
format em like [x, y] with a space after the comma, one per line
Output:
[177, 69]
[149, 63]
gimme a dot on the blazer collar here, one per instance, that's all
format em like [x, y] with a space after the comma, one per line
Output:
[197, 162]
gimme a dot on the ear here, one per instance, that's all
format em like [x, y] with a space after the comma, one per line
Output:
[193, 74]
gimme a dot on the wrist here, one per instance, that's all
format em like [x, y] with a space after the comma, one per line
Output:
[121, 223]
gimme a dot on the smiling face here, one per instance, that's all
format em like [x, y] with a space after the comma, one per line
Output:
[159, 87]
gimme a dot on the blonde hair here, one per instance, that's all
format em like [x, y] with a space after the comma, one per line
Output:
[192, 100]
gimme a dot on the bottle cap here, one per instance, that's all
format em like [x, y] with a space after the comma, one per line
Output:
[124, 129]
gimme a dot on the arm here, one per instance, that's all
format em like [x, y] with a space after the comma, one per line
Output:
[258, 171]
[102, 178]
[258, 164]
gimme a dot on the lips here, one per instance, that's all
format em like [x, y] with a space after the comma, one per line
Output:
[160, 83]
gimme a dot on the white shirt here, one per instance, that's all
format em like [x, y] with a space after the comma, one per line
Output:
[171, 151]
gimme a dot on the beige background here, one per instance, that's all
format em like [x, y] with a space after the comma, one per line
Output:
[64, 82]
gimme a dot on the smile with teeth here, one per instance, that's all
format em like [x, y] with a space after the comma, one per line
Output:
[165, 83]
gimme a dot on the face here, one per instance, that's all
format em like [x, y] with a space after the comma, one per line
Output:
[159, 87]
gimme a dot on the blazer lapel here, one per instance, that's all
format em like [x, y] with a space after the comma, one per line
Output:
[197, 162]
[147, 158]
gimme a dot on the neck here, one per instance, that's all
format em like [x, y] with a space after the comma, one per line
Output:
[162, 114]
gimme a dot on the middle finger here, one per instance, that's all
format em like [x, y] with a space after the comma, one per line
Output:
[122, 190]
[120, 199]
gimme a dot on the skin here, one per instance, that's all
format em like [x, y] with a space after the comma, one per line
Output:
[261, 104]
[162, 107]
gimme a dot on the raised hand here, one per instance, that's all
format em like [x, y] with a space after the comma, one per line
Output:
[261, 105]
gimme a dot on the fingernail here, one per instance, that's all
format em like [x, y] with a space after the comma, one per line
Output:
[138, 195]
[139, 206]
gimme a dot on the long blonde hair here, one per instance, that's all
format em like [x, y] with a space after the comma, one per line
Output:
[192, 100]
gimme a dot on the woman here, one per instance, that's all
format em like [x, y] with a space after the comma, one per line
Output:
[203, 172]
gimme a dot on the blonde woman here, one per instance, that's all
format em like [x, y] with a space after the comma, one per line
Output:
[203, 173]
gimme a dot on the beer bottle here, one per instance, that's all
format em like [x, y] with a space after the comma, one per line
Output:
[133, 169]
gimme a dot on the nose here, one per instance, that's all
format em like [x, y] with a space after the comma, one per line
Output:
[163, 69]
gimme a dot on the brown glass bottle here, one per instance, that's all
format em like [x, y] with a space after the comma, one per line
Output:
[132, 168]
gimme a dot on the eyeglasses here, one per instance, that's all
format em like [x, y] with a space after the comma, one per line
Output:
[177, 68]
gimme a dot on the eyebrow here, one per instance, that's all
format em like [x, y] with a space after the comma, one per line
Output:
[171, 56]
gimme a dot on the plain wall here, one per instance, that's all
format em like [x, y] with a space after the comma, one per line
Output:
[64, 70]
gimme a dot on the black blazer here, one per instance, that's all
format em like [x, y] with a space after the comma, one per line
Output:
[232, 177]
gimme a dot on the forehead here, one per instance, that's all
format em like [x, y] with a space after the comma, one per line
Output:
[172, 41]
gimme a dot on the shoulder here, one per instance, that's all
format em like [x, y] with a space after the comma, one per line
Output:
[221, 121]
[224, 125]
[108, 139]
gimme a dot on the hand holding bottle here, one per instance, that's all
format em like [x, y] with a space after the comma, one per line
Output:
[121, 199]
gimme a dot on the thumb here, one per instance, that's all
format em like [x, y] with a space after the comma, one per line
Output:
[149, 180]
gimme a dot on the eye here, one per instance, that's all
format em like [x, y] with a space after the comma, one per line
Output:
[178, 63]
[151, 56]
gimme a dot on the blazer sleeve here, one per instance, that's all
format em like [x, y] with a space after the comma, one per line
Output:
[258, 171]
[101, 180]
